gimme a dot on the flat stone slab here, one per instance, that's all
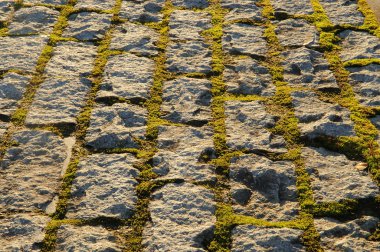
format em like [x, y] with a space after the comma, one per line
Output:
[292, 7]
[242, 10]
[182, 219]
[264, 189]
[188, 25]
[55, 2]
[334, 177]
[249, 238]
[297, 33]
[247, 126]
[3, 127]
[190, 4]
[142, 11]
[347, 236]
[6, 10]
[116, 126]
[22, 232]
[359, 45]
[343, 12]
[95, 4]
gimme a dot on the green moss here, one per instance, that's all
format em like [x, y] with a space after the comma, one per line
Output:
[361, 62]
[370, 21]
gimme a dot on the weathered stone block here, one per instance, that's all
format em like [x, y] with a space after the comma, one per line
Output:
[242, 10]
[55, 2]
[188, 25]
[97, 4]
[359, 45]
[297, 33]
[343, 12]
[189, 4]
[143, 11]
[6, 10]
[292, 7]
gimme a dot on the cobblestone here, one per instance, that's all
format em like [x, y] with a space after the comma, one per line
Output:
[6, 9]
[240, 10]
[142, 11]
[297, 33]
[343, 12]
[291, 7]
[359, 45]
[188, 25]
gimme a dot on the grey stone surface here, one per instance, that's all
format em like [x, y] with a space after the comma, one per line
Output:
[122, 79]
[347, 236]
[251, 238]
[242, 10]
[86, 238]
[297, 33]
[55, 2]
[190, 4]
[343, 12]
[104, 186]
[87, 26]
[116, 126]
[31, 171]
[135, 38]
[184, 155]
[182, 218]
[22, 232]
[329, 120]
[97, 4]
[33, 20]
[6, 10]
[244, 39]
[334, 177]
[143, 11]
[308, 68]
[247, 77]
[247, 125]
[187, 25]
[359, 45]
[264, 189]
[291, 7]
[3, 127]
[187, 100]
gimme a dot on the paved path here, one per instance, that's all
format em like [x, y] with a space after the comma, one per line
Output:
[189, 125]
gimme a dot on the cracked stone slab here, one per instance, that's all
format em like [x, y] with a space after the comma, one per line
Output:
[247, 77]
[182, 218]
[334, 177]
[188, 25]
[242, 10]
[297, 33]
[104, 186]
[347, 236]
[6, 10]
[343, 12]
[329, 120]
[135, 38]
[187, 100]
[116, 126]
[247, 127]
[308, 68]
[185, 155]
[249, 238]
[31, 171]
[22, 232]
[122, 79]
[292, 7]
[143, 11]
[359, 45]
[190, 4]
[37, 19]
[86, 238]
[264, 189]
[96, 4]
[87, 26]
[244, 39]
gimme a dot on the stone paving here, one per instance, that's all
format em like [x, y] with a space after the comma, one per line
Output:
[189, 125]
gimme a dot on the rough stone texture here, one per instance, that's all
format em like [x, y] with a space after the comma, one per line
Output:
[31, 171]
[55, 2]
[347, 236]
[135, 38]
[182, 218]
[97, 4]
[87, 26]
[187, 100]
[187, 25]
[297, 33]
[12, 88]
[244, 39]
[334, 177]
[21, 52]
[3, 127]
[343, 12]
[116, 126]
[308, 68]
[247, 125]
[122, 79]
[104, 186]
[366, 84]
[22, 232]
[264, 189]
[359, 45]
[143, 11]
[251, 238]
[86, 238]
[329, 120]
[6, 9]
[33, 20]
[189, 4]
[184, 156]
[248, 77]
[242, 10]
[291, 7]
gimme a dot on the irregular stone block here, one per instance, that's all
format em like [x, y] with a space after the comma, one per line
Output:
[31, 20]
[6, 10]
[187, 100]
[321, 119]
[104, 186]
[244, 39]
[143, 11]
[264, 189]
[22, 232]
[31, 171]
[86, 238]
[182, 218]
[242, 9]
[292, 7]
[116, 126]
[347, 236]
[248, 77]
[55, 2]
[297, 33]
[343, 12]
[308, 68]
[189, 4]
[188, 25]
[249, 238]
[97, 4]
[87, 26]
[359, 45]
[3, 127]
[184, 156]
[247, 125]
[334, 177]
